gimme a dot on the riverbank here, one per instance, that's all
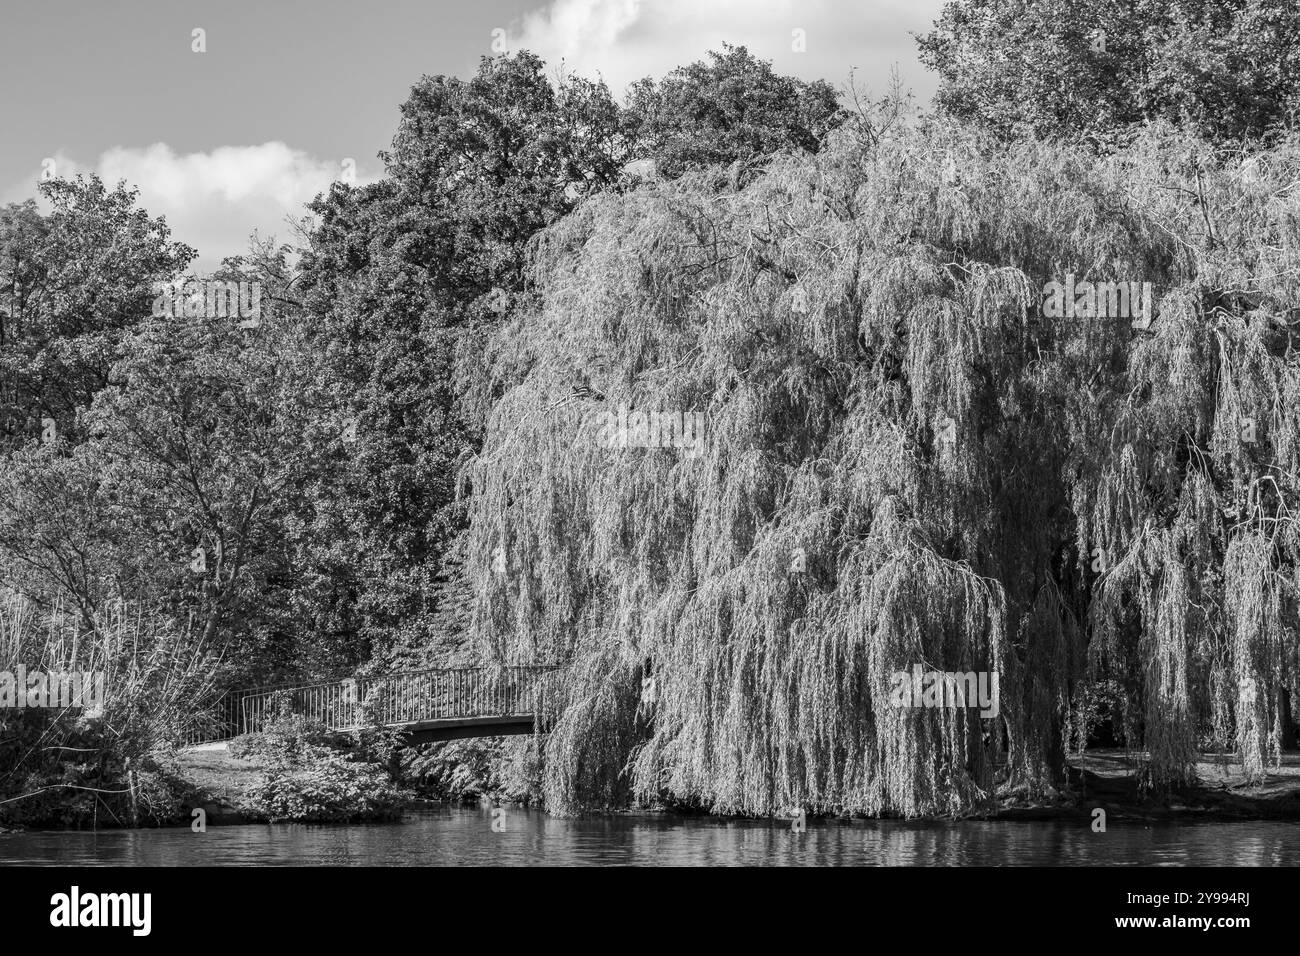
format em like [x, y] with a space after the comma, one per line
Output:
[1106, 779]
[285, 775]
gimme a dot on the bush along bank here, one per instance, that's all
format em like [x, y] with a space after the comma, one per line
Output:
[313, 775]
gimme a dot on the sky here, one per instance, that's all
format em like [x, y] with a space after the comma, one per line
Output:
[289, 95]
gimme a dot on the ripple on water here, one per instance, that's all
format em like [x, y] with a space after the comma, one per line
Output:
[462, 836]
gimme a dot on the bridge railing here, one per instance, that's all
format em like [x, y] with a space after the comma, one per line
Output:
[389, 699]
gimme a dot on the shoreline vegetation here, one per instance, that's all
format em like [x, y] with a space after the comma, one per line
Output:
[899, 462]
[218, 778]
[1106, 779]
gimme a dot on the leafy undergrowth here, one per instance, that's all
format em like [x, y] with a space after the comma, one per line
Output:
[332, 789]
[466, 770]
[82, 779]
[310, 778]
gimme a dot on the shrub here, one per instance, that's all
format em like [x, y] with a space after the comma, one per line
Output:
[310, 779]
[325, 786]
[497, 767]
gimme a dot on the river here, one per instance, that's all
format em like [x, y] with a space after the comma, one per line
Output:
[465, 836]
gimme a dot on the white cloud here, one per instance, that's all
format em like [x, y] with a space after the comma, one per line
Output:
[624, 40]
[214, 201]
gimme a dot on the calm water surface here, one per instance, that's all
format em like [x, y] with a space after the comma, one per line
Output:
[460, 836]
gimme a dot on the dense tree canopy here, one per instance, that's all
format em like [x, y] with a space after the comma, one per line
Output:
[733, 108]
[904, 462]
[1228, 69]
[397, 279]
[405, 278]
[71, 284]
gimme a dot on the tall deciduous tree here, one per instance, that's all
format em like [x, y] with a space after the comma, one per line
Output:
[72, 283]
[732, 108]
[1229, 69]
[400, 276]
[906, 464]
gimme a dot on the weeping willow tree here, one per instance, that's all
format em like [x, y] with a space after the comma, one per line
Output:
[903, 463]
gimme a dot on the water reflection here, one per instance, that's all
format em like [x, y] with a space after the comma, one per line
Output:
[454, 835]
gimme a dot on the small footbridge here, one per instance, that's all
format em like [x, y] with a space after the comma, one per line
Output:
[424, 705]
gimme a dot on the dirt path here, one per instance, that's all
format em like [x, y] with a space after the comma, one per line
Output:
[219, 779]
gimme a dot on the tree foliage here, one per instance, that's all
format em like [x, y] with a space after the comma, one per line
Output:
[905, 463]
[732, 108]
[1226, 69]
[406, 278]
[71, 284]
